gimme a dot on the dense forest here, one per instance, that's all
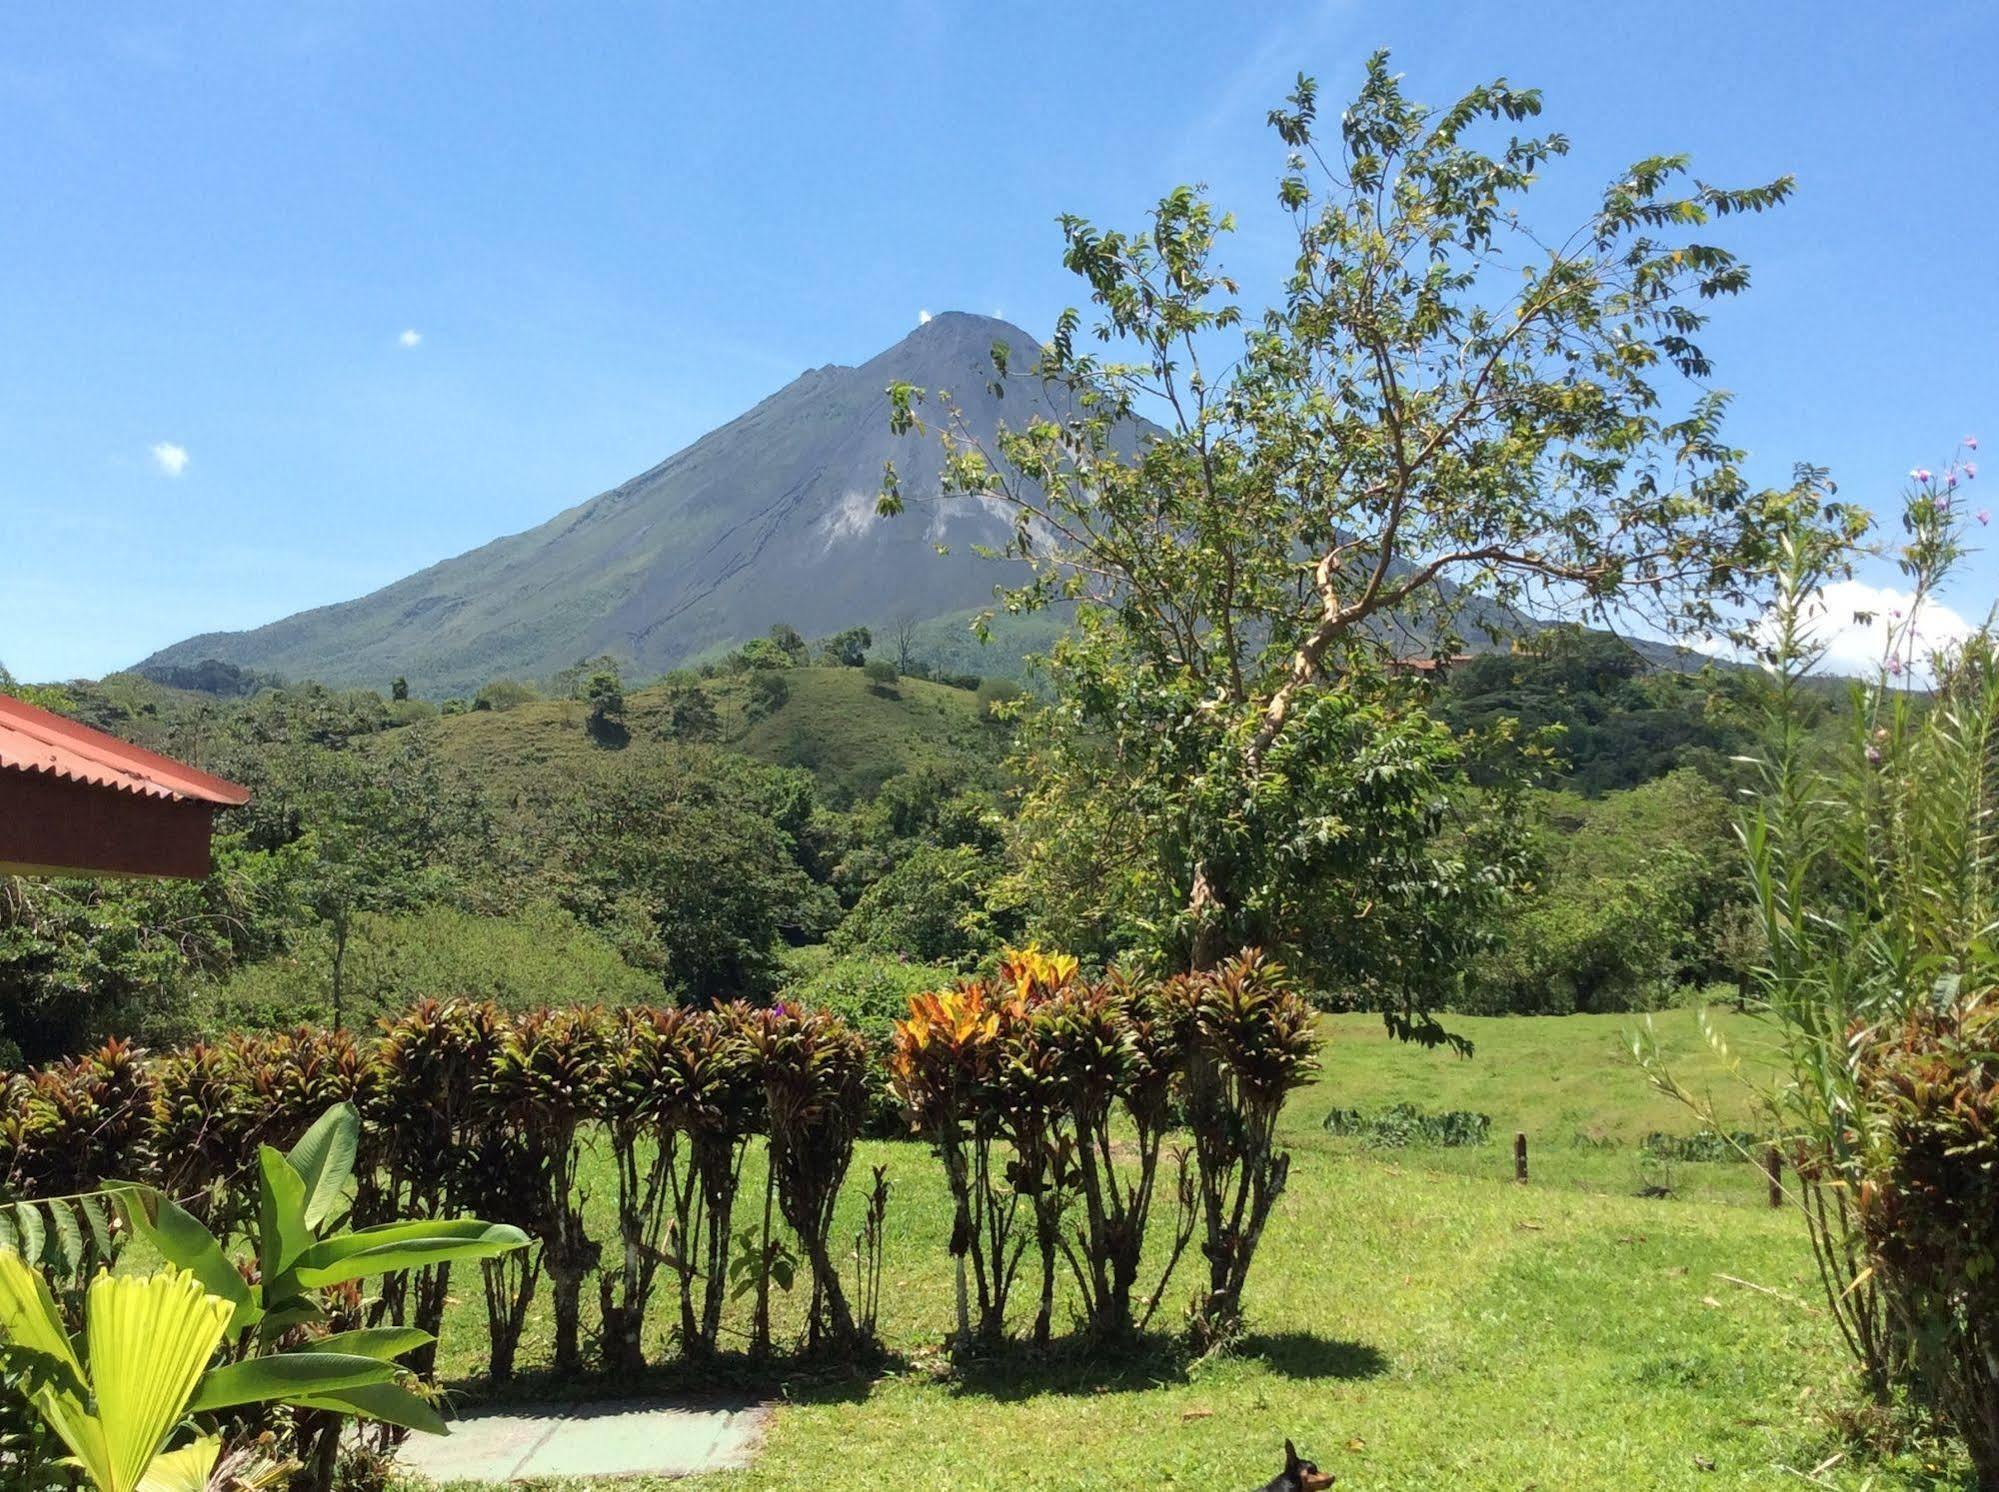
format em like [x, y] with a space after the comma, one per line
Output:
[835, 818]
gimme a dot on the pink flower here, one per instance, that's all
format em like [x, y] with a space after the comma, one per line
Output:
[1874, 755]
[1971, 442]
[1920, 474]
[1971, 471]
[1896, 613]
[1895, 664]
[1984, 517]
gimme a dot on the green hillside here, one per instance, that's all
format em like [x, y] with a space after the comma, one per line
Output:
[849, 731]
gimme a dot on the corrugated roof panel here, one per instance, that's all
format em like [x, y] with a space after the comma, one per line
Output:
[34, 740]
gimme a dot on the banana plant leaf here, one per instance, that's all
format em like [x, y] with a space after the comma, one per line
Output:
[288, 1376]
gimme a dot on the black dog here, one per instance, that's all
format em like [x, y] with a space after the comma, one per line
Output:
[1297, 1475]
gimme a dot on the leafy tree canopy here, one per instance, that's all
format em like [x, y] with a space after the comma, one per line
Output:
[1448, 418]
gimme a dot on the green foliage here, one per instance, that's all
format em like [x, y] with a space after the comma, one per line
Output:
[1635, 896]
[934, 908]
[688, 713]
[761, 653]
[790, 642]
[1703, 1145]
[869, 993]
[81, 958]
[272, 1320]
[534, 956]
[1401, 1124]
[695, 854]
[1873, 873]
[765, 692]
[604, 693]
[1612, 721]
[848, 648]
[352, 834]
[504, 694]
[1439, 418]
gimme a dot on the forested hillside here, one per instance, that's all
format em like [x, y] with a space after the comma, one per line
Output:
[796, 812]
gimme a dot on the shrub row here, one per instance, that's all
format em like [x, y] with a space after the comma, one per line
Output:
[468, 1110]
[1049, 1099]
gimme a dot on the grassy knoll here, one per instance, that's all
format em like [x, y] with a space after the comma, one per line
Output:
[1419, 1322]
[851, 733]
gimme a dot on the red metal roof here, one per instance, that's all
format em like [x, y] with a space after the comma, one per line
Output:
[33, 740]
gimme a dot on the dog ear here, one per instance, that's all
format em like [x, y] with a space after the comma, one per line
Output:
[1290, 1456]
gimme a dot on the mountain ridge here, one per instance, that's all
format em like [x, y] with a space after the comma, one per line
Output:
[769, 517]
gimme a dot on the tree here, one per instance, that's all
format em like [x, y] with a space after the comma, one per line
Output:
[933, 907]
[355, 834]
[791, 642]
[400, 689]
[606, 696]
[848, 649]
[904, 642]
[690, 713]
[1440, 424]
[699, 854]
[761, 653]
[572, 682]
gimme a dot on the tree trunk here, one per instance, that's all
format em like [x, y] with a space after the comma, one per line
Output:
[339, 966]
[1207, 906]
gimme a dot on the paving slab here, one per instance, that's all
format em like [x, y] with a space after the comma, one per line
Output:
[617, 1438]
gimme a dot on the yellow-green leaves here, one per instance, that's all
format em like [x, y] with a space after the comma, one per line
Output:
[147, 1341]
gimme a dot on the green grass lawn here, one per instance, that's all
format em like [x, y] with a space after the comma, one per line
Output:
[1419, 1321]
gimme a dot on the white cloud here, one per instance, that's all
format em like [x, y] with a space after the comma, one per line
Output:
[922, 317]
[1851, 620]
[410, 337]
[170, 458]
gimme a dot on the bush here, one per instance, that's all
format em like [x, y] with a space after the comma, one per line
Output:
[1037, 1061]
[1705, 1145]
[932, 908]
[1405, 1124]
[540, 956]
[870, 993]
[1930, 1210]
[502, 695]
[815, 1078]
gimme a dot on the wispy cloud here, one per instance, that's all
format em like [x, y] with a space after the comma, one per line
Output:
[411, 337]
[1294, 43]
[170, 458]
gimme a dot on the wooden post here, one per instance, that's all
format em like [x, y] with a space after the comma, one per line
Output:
[1773, 1167]
[1520, 1157]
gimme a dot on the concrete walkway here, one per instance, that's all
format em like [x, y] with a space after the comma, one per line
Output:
[627, 1438]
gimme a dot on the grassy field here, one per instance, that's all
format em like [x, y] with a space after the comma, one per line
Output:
[1419, 1320]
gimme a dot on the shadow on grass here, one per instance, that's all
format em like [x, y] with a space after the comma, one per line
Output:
[1303, 1354]
[1018, 1370]
[721, 1382]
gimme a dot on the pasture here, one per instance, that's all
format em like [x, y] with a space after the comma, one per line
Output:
[1418, 1320]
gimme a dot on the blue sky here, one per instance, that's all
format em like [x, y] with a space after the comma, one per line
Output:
[612, 227]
